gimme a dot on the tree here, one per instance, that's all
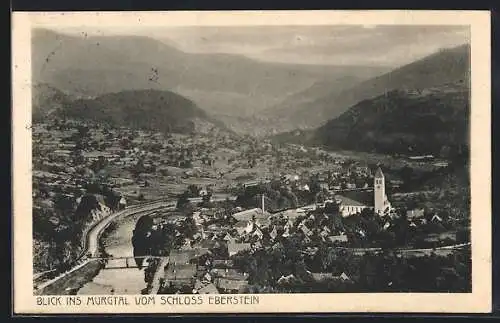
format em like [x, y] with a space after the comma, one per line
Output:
[193, 190]
[82, 131]
[64, 204]
[141, 239]
[77, 156]
[206, 200]
[332, 208]
[188, 227]
[99, 164]
[406, 174]
[138, 168]
[182, 201]
[314, 186]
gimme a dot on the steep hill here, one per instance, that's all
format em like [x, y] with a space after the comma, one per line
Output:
[46, 100]
[447, 66]
[147, 109]
[219, 83]
[431, 121]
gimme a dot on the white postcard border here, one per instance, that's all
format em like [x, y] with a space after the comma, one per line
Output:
[477, 301]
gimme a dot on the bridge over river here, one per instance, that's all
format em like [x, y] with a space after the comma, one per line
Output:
[124, 262]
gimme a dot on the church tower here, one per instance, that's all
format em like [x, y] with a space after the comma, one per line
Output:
[380, 199]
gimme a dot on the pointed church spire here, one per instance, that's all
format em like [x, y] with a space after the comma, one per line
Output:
[378, 173]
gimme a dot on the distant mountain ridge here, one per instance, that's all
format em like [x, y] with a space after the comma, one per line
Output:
[219, 83]
[446, 66]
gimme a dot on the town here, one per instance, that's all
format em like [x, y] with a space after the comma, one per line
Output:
[271, 217]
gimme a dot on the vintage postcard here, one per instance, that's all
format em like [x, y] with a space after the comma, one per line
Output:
[251, 162]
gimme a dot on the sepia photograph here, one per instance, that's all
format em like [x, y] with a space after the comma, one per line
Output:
[214, 164]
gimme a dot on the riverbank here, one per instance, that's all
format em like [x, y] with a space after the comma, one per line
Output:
[79, 276]
[71, 281]
[117, 243]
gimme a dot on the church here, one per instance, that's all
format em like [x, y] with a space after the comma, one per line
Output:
[354, 202]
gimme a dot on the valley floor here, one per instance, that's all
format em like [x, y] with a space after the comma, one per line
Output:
[73, 160]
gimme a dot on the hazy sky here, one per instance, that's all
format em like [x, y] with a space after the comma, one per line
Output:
[357, 45]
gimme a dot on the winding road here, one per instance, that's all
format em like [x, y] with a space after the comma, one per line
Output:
[91, 246]
[92, 239]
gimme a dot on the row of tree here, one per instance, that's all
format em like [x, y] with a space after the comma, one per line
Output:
[385, 272]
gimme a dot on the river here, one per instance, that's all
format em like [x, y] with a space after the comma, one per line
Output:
[123, 281]
[127, 281]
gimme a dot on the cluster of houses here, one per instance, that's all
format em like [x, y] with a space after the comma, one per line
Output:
[337, 178]
[193, 269]
[64, 156]
[371, 197]
[198, 267]
[417, 217]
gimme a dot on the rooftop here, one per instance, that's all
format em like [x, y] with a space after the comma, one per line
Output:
[229, 284]
[356, 198]
[248, 214]
[185, 255]
[345, 201]
[234, 248]
[180, 272]
[340, 238]
[208, 289]
[223, 263]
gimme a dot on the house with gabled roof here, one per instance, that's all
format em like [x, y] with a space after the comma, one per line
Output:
[257, 232]
[322, 276]
[436, 218]
[223, 263]
[228, 237]
[324, 232]
[326, 276]
[307, 232]
[256, 245]
[285, 279]
[208, 289]
[197, 285]
[349, 206]
[274, 233]
[286, 233]
[235, 247]
[180, 274]
[338, 238]
[241, 227]
[248, 215]
[228, 273]
[415, 213]
[207, 277]
[231, 286]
